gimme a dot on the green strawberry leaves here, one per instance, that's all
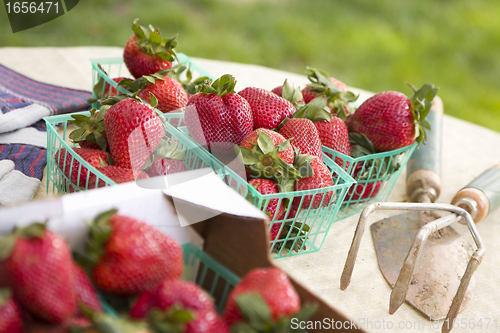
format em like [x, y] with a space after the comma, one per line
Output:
[297, 232]
[263, 162]
[172, 320]
[258, 317]
[338, 100]
[191, 86]
[421, 103]
[100, 231]
[90, 128]
[222, 86]
[316, 110]
[150, 41]
[292, 95]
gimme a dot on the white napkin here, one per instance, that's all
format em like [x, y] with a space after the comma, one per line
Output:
[16, 187]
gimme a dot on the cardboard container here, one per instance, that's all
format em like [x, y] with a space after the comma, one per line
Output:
[194, 207]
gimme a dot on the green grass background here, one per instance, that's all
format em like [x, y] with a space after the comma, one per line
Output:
[375, 45]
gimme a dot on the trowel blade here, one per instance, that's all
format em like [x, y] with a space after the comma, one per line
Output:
[438, 271]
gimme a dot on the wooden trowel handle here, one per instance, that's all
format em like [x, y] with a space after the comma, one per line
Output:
[482, 195]
[423, 171]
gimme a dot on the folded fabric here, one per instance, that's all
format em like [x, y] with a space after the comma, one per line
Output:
[32, 100]
[6, 166]
[15, 187]
[23, 134]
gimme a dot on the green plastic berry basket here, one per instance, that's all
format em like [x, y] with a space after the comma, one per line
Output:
[203, 270]
[381, 171]
[115, 67]
[302, 230]
[59, 180]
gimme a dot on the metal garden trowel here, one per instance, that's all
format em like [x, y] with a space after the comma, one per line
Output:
[399, 241]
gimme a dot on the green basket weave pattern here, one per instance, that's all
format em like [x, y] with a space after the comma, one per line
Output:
[203, 270]
[379, 181]
[115, 67]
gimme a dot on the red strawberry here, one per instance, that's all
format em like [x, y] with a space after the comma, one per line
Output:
[146, 53]
[273, 287]
[390, 120]
[172, 297]
[90, 132]
[333, 134]
[118, 175]
[85, 293]
[303, 135]
[39, 262]
[132, 256]
[251, 140]
[320, 179]
[169, 92]
[367, 187]
[217, 117]
[274, 207]
[363, 190]
[4, 281]
[74, 170]
[11, 320]
[168, 159]
[134, 131]
[268, 109]
[266, 154]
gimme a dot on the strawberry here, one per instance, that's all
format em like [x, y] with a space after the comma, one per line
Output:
[218, 118]
[74, 170]
[266, 154]
[268, 109]
[288, 92]
[90, 132]
[266, 289]
[390, 120]
[303, 135]
[169, 95]
[274, 207]
[169, 92]
[320, 179]
[251, 140]
[165, 304]
[117, 174]
[85, 293]
[129, 256]
[334, 134]
[336, 92]
[146, 53]
[133, 131]
[39, 263]
[11, 320]
[167, 159]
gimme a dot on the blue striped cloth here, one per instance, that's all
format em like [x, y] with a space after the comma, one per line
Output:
[18, 92]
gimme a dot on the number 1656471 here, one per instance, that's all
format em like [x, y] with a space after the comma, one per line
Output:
[32, 7]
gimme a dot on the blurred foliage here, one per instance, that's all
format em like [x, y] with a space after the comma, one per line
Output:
[374, 45]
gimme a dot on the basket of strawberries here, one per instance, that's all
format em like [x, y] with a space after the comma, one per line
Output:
[131, 277]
